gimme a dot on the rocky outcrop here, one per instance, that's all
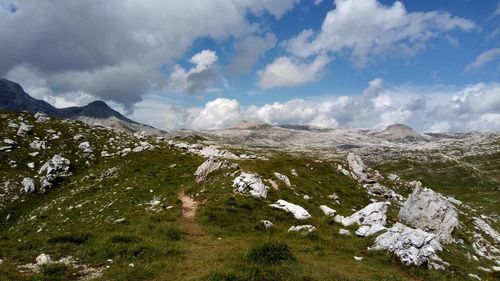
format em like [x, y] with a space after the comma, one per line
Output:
[37, 144]
[372, 219]
[297, 211]
[24, 130]
[357, 167]
[251, 183]
[486, 228]
[431, 212]
[85, 146]
[54, 169]
[211, 165]
[212, 151]
[413, 246]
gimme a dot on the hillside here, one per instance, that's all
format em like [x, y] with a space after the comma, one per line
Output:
[213, 207]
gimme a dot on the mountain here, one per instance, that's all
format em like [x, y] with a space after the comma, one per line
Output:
[249, 125]
[400, 132]
[14, 98]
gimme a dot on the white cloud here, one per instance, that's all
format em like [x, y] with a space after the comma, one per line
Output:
[483, 58]
[115, 49]
[497, 11]
[433, 109]
[289, 71]
[368, 29]
[199, 77]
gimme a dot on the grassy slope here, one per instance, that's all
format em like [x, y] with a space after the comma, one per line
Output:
[219, 245]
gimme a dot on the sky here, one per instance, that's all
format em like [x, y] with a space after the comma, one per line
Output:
[205, 64]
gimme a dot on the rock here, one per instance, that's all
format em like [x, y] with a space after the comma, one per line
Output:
[368, 230]
[85, 146]
[6, 148]
[41, 117]
[358, 258]
[283, 178]
[294, 173]
[267, 224]
[37, 144]
[334, 197]
[105, 154]
[79, 137]
[9, 141]
[252, 183]
[486, 228]
[357, 166]
[412, 246]
[474, 276]
[373, 214]
[55, 168]
[109, 173]
[43, 259]
[344, 232]
[327, 210]
[307, 227]
[28, 185]
[13, 125]
[215, 152]
[376, 189]
[212, 164]
[430, 211]
[341, 169]
[297, 211]
[31, 165]
[120, 220]
[24, 130]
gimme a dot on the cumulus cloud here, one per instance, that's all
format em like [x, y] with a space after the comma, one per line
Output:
[290, 71]
[435, 109]
[199, 77]
[249, 50]
[115, 49]
[367, 29]
[483, 58]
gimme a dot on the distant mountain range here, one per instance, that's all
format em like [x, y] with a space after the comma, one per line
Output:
[14, 98]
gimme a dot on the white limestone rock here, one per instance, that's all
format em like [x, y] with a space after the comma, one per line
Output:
[357, 166]
[212, 164]
[307, 228]
[24, 130]
[486, 228]
[297, 211]
[215, 152]
[368, 230]
[430, 211]
[28, 185]
[9, 141]
[41, 117]
[37, 144]
[413, 246]
[373, 214]
[55, 168]
[43, 259]
[327, 210]
[344, 232]
[85, 146]
[283, 178]
[251, 183]
[267, 224]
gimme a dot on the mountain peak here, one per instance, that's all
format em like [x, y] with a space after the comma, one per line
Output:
[399, 132]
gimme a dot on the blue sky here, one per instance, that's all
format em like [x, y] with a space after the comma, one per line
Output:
[206, 64]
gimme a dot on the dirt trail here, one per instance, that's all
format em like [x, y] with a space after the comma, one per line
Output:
[189, 207]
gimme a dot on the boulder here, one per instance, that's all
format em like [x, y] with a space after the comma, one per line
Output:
[215, 152]
[431, 212]
[297, 211]
[327, 210]
[299, 228]
[372, 219]
[212, 164]
[37, 144]
[9, 141]
[24, 130]
[85, 146]
[251, 183]
[344, 232]
[41, 117]
[357, 166]
[486, 228]
[413, 246]
[283, 178]
[55, 168]
[28, 185]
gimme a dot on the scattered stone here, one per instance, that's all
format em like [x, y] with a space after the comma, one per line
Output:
[41, 117]
[154, 205]
[120, 220]
[143, 146]
[430, 211]
[306, 197]
[307, 227]
[6, 148]
[372, 219]
[357, 166]
[327, 210]
[474, 276]
[28, 185]
[43, 259]
[294, 173]
[31, 165]
[486, 228]
[78, 137]
[109, 173]
[37, 144]
[412, 246]
[344, 232]
[85, 146]
[212, 151]
[55, 168]
[283, 178]
[24, 130]
[105, 154]
[9, 141]
[334, 197]
[267, 224]
[368, 230]
[252, 183]
[297, 211]
[358, 258]
[34, 154]
[376, 189]
[13, 125]
[341, 169]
